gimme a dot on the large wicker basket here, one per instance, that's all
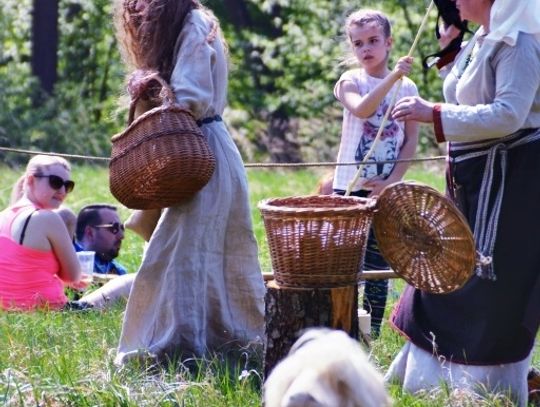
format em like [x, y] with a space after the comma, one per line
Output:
[161, 159]
[317, 241]
[424, 237]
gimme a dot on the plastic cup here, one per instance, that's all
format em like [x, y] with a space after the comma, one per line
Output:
[86, 260]
[364, 320]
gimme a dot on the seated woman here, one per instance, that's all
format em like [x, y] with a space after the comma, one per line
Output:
[38, 258]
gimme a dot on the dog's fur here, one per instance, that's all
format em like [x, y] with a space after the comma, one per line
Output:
[325, 368]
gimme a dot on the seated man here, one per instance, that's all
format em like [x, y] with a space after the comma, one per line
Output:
[99, 230]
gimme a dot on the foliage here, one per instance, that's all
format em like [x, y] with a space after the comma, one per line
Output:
[79, 117]
[285, 58]
[288, 56]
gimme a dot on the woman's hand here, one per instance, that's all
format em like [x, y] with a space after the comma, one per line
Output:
[413, 108]
[448, 33]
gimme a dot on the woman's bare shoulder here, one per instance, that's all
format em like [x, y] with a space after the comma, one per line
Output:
[47, 217]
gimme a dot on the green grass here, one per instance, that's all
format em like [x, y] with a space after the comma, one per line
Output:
[65, 358]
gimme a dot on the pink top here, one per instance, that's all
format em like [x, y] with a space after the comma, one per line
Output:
[28, 277]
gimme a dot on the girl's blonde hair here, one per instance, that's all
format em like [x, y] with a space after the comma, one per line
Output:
[360, 18]
[37, 165]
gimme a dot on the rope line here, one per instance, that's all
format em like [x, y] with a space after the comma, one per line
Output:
[247, 165]
[33, 152]
[309, 164]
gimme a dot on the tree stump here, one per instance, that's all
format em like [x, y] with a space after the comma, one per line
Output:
[288, 311]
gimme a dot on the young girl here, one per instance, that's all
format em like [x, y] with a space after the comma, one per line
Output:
[199, 288]
[366, 94]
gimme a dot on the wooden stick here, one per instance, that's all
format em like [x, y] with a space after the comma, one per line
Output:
[378, 274]
[366, 275]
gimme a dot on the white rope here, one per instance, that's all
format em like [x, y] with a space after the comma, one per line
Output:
[246, 165]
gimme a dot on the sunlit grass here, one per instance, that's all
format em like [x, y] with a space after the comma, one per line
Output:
[66, 358]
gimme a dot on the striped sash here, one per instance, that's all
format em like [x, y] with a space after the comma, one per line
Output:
[486, 221]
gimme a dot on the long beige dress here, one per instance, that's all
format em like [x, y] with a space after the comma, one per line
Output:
[199, 288]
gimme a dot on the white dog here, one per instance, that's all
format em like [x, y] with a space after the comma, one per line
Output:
[325, 368]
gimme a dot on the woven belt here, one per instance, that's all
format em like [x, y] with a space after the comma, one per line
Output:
[210, 119]
[485, 228]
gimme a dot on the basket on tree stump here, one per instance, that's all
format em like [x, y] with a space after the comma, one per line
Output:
[317, 244]
[317, 241]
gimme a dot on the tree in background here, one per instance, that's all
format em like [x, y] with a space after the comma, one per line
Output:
[285, 57]
[45, 42]
[76, 113]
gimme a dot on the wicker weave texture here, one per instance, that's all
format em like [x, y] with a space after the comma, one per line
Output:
[424, 237]
[317, 241]
[160, 160]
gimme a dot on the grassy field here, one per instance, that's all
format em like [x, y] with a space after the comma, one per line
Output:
[65, 358]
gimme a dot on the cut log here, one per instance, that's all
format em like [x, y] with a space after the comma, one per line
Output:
[291, 310]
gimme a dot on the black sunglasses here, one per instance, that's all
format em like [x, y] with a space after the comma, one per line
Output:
[114, 228]
[56, 182]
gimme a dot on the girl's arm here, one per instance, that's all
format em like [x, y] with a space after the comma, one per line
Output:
[62, 246]
[364, 106]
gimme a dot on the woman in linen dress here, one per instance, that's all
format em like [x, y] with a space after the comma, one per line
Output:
[199, 289]
[481, 336]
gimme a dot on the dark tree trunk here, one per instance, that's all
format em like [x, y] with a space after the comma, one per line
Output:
[238, 13]
[45, 42]
[280, 139]
[281, 133]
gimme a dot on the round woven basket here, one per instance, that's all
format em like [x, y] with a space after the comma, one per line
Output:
[162, 159]
[424, 237]
[317, 241]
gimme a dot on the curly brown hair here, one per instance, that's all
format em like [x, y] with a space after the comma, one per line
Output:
[147, 38]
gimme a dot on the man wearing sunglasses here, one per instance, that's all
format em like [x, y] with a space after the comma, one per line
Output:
[99, 229]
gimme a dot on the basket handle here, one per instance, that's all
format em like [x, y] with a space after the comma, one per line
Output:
[166, 93]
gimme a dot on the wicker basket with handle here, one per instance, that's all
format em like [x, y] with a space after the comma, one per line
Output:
[317, 241]
[161, 159]
[424, 237]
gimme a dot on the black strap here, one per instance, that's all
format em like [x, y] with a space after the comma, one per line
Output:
[206, 120]
[449, 13]
[25, 225]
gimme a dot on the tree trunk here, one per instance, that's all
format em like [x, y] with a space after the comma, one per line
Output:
[238, 13]
[280, 139]
[288, 311]
[45, 42]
